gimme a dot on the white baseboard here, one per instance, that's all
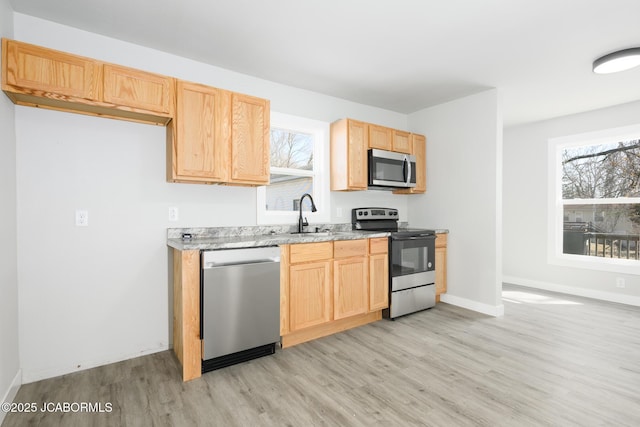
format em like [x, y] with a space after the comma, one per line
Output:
[33, 376]
[571, 290]
[11, 392]
[495, 311]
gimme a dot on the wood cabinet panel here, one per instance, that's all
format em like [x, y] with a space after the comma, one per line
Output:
[349, 142]
[378, 281]
[379, 245]
[200, 139]
[137, 89]
[349, 248]
[350, 287]
[380, 137]
[441, 264]
[306, 252]
[309, 294]
[49, 73]
[401, 142]
[250, 139]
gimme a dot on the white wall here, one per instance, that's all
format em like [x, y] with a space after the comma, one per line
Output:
[9, 356]
[464, 149]
[95, 295]
[525, 207]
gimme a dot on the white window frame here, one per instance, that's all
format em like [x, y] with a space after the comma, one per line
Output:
[320, 173]
[555, 203]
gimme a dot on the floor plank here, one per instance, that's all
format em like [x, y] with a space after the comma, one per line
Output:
[552, 360]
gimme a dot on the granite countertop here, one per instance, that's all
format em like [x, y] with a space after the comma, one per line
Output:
[213, 238]
[248, 237]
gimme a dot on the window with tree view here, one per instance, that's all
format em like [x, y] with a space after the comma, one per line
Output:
[292, 169]
[601, 198]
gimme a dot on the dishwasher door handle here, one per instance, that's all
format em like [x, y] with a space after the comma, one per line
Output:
[209, 265]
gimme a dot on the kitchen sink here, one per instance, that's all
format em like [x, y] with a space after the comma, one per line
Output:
[318, 233]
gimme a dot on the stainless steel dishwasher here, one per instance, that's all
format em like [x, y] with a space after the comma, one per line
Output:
[239, 305]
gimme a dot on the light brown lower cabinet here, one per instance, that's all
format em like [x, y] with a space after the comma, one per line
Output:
[329, 287]
[441, 264]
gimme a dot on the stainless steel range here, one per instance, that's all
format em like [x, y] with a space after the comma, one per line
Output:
[412, 272]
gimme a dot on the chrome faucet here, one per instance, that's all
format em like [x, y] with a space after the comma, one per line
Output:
[303, 222]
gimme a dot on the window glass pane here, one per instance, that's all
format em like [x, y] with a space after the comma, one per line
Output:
[290, 149]
[609, 230]
[601, 171]
[284, 192]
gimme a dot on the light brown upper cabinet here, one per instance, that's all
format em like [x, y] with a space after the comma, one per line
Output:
[30, 72]
[138, 90]
[418, 149]
[41, 77]
[198, 137]
[401, 141]
[380, 137]
[250, 137]
[349, 155]
[385, 138]
[218, 136]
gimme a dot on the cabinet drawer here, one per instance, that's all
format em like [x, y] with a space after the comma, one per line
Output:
[441, 240]
[379, 245]
[305, 252]
[349, 248]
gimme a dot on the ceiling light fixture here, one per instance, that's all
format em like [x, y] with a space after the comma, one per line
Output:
[617, 61]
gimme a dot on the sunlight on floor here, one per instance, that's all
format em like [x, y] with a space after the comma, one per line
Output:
[520, 297]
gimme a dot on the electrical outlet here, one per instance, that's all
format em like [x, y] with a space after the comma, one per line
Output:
[82, 218]
[339, 212]
[173, 214]
[620, 282]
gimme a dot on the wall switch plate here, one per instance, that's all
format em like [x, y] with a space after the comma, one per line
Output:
[82, 218]
[173, 214]
[620, 282]
[339, 212]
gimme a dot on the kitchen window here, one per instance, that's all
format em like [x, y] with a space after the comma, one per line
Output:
[594, 200]
[299, 149]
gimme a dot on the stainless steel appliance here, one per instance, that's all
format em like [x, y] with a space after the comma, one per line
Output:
[239, 305]
[389, 170]
[412, 272]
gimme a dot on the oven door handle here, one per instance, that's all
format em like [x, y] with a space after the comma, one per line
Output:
[429, 237]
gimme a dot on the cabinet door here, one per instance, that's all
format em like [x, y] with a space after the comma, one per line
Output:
[250, 156]
[200, 134]
[380, 137]
[350, 287]
[441, 264]
[401, 142]
[357, 155]
[44, 72]
[309, 294]
[419, 143]
[378, 282]
[138, 89]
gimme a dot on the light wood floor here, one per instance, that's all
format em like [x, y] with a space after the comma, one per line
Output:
[552, 360]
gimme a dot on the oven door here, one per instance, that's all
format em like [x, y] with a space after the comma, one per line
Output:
[389, 169]
[412, 261]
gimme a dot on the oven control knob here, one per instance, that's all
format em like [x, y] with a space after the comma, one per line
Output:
[366, 213]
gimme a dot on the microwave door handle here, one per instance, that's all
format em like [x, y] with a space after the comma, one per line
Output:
[406, 170]
[405, 163]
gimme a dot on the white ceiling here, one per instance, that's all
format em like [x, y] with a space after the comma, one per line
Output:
[402, 55]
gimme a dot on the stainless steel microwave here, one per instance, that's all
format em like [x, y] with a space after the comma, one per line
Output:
[389, 170]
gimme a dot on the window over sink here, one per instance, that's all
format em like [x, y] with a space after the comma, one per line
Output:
[299, 153]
